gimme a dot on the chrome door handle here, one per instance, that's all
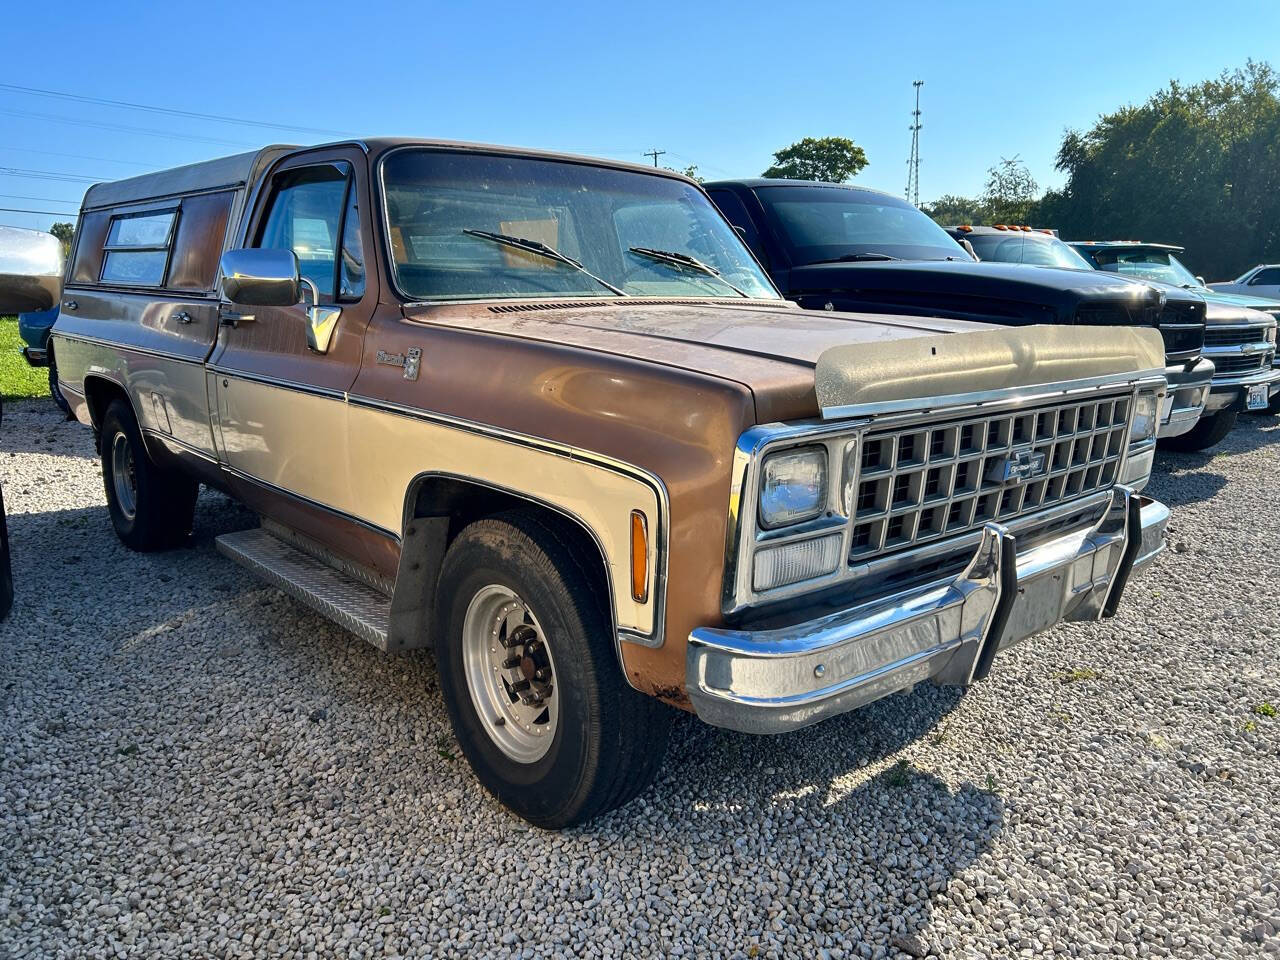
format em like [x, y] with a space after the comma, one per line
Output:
[70, 305]
[183, 317]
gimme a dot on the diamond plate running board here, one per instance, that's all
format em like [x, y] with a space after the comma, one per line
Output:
[343, 599]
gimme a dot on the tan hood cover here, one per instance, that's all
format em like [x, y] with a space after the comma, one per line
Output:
[886, 375]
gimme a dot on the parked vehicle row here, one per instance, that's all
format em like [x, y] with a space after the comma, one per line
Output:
[839, 247]
[549, 416]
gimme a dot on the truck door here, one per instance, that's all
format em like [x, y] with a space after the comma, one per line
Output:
[281, 414]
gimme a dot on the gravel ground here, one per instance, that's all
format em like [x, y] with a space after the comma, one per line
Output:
[193, 765]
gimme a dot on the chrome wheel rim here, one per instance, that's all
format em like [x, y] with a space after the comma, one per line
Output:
[123, 475]
[510, 673]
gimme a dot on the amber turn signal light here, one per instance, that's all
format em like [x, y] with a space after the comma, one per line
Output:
[639, 557]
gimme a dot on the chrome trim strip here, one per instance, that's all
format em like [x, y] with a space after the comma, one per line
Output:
[298, 498]
[276, 382]
[1240, 350]
[169, 439]
[118, 345]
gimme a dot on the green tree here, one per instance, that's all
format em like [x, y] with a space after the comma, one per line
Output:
[1197, 166]
[832, 159]
[64, 232]
[1010, 192]
[691, 171]
[952, 210]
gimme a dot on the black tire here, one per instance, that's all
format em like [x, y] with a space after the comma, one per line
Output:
[1209, 430]
[609, 740]
[1274, 406]
[164, 502]
[54, 391]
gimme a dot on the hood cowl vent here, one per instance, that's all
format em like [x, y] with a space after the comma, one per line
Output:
[584, 304]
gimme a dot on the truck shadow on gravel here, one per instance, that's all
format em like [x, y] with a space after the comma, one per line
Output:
[870, 840]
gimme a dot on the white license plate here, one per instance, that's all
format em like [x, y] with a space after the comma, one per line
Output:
[1257, 398]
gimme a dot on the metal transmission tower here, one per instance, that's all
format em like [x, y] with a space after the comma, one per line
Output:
[913, 164]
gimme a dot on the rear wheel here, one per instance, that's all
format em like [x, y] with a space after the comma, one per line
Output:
[1209, 430]
[531, 680]
[150, 508]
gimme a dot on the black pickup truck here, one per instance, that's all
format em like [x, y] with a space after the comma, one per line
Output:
[836, 247]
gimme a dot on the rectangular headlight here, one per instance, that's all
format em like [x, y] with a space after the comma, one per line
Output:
[794, 562]
[793, 486]
[1146, 415]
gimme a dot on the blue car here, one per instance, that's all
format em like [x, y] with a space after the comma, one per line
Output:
[34, 329]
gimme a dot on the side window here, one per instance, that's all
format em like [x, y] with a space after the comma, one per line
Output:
[1269, 277]
[737, 215]
[136, 252]
[305, 216]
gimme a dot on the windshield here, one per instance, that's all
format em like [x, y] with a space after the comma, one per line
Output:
[441, 205]
[818, 224]
[1146, 265]
[1037, 249]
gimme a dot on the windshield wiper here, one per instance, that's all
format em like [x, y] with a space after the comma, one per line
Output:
[542, 250]
[856, 257]
[684, 260]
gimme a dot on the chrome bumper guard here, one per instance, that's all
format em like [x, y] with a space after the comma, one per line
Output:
[781, 679]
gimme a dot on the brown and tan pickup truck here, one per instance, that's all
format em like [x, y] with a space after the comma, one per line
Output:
[547, 416]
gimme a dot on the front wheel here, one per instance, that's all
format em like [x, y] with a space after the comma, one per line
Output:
[531, 680]
[150, 508]
[1209, 430]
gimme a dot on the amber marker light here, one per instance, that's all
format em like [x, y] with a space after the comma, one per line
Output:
[639, 557]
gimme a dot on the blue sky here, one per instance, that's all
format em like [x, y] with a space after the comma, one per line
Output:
[720, 85]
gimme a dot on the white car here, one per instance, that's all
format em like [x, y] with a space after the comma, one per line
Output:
[1262, 281]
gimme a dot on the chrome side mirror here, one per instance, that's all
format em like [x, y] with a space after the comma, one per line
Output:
[258, 277]
[30, 270]
[269, 278]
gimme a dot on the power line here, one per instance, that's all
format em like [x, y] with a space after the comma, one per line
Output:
[145, 131]
[50, 175]
[22, 196]
[170, 111]
[655, 153]
[75, 156]
[50, 213]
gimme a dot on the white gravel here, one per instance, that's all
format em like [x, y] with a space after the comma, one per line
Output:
[192, 765]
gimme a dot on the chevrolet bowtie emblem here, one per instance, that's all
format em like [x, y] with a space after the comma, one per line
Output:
[1019, 467]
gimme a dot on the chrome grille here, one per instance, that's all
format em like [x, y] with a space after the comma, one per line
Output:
[1236, 364]
[1232, 336]
[918, 484]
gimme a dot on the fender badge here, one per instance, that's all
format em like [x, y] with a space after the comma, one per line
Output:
[410, 360]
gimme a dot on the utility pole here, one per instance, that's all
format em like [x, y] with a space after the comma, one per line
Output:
[913, 164]
[655, 153]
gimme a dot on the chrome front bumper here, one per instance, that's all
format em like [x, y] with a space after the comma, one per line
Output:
[1185, 401]
[784, 678]
[1229, 392]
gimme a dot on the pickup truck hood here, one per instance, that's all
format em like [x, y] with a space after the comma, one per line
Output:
[772, 349]
[980, 291]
